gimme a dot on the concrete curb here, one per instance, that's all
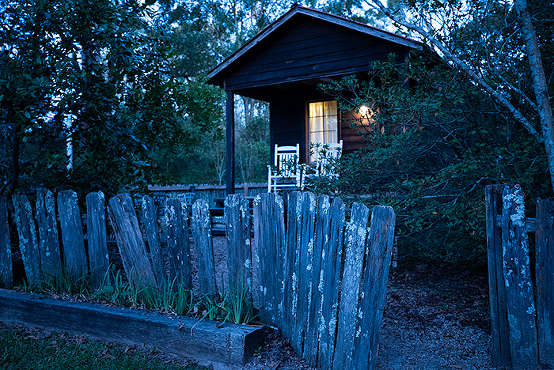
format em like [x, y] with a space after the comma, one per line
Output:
[228, 347]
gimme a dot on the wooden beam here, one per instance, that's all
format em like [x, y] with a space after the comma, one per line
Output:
[223, 346]
[230, 136]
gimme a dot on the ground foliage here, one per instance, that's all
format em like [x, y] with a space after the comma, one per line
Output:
[431, 149]
[24, 348]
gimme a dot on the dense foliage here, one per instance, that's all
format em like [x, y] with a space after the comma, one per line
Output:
[90, 95]
[431, 149]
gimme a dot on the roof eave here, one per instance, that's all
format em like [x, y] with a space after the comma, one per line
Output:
[375, 32]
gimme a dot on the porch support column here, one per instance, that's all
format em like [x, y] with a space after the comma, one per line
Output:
[230, 140]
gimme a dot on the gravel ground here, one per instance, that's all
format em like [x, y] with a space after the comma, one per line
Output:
[435, 318]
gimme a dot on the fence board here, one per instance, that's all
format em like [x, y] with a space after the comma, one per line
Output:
[23, 217]
[355, 239]
[290, 261]
[544, 251]
[315, 314]
[202, 235]
[47, 232]
[97, 237]
[239, 252]
[497, 290]
[269, 235]
[374, 283]
[304, 270]
[517, 278]
[151, 229]
[178, 243]
[6, 270]
[306, 323]
[73, 241]
[131, 246]
[331, 267]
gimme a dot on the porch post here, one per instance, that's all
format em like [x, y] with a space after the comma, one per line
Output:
[230, 140]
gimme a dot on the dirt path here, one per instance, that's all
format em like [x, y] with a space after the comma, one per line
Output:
[435, 318]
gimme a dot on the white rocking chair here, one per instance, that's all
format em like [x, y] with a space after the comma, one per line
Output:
[286, 171]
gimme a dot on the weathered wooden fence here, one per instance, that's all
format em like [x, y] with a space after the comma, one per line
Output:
[522, 303]
[320, 279]
[323, 281]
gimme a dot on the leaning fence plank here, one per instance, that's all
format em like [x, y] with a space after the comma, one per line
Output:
[374, 287]
[151, 228]
[517, 278]
[97, 237]
[129, 240]
[355, 239]
[202, 235]
[6, 271]
[331, 268]
[544, 272]
[47, 232]
[239, 252]
[23, 217]
[73, 241]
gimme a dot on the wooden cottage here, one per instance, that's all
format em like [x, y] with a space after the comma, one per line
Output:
[283, 65]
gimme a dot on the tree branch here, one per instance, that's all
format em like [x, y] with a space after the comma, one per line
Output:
[462, 65]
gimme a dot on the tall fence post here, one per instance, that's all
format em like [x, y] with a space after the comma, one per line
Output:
[97, 237]
[497, 290]
[517, 279]
[6, 271]
[28, 244]
[48, 238]
[544, 273]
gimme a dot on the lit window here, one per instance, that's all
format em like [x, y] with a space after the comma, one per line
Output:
[323, 125]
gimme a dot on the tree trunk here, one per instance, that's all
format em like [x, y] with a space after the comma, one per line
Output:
[539, 81]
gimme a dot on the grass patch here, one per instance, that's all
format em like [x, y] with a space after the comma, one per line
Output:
[23, 349]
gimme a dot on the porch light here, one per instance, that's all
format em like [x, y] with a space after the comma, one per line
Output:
[367, 114]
